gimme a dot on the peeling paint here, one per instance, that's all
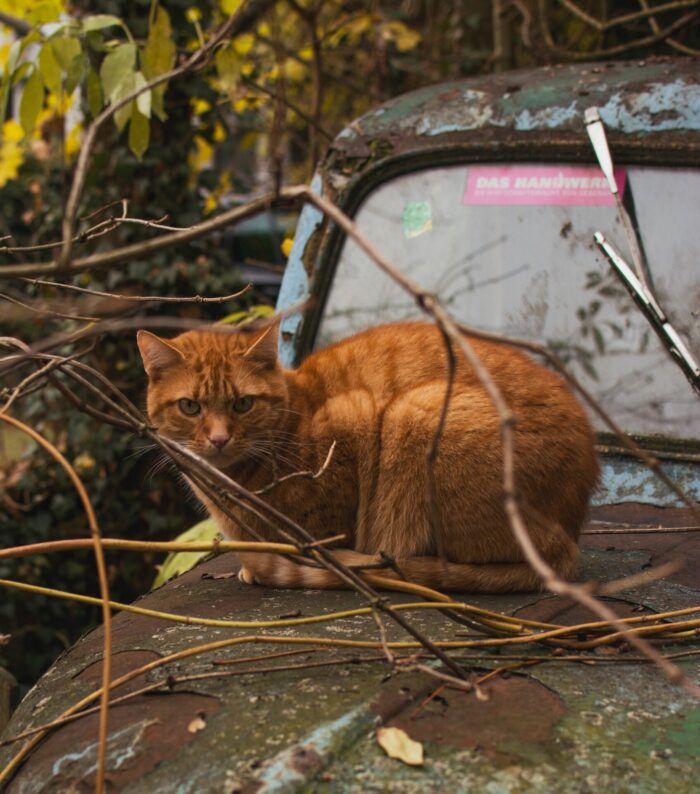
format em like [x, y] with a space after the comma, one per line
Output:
[669, 106]
[551, 117]
[295, 282]
[627, 480]
[633, 98]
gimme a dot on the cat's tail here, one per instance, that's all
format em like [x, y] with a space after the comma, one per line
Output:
[429, 572]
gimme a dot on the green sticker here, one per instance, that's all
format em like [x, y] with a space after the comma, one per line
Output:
[416, 218]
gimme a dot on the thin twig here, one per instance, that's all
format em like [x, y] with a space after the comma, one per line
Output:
[141, 298]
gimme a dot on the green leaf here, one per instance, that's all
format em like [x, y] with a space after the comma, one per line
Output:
[176, 564]
[49, 68]
[157, 102]
[76, 72]
[124, 88]
[13, 56]
[45, 12]
[21, 72]
[100, 21]
[94, 93]
[139, 132]
[158, 57]
[158, 54]
[143, 101]
[4, 94]
[117, 67]
[65, 48]
[32, 101]
[228, 67]
[257, 312]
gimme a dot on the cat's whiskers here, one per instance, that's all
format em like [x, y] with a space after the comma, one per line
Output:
[161, 463]
[281, 452]
[272, 456]
[140, 451]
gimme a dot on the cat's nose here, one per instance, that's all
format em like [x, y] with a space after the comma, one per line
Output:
[219, 440]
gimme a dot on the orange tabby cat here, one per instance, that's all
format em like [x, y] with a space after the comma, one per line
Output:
[378, 396]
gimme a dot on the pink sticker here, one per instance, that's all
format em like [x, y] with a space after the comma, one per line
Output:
[540, 184]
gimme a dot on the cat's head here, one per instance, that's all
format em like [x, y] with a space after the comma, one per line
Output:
[218, 392]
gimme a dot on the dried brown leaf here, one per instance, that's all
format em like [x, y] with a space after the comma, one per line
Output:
[197, 724]
[398, 744]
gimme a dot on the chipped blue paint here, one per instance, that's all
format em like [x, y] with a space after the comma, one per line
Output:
[673, 106]
[295, 282]
[633, 98]
[549, 117]
[475, 111]
[625, 480]
[282, 776]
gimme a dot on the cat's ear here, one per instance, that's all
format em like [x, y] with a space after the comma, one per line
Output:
[157, 354]
[263, 344]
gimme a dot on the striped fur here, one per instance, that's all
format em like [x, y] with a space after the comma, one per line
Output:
[378, 396]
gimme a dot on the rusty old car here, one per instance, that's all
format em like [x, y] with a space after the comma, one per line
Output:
[488, 193]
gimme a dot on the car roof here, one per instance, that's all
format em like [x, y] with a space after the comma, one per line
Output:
[654, 102]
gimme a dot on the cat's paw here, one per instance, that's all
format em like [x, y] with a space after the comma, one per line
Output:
[246, 576]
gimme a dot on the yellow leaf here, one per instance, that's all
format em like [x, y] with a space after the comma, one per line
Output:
[295, 71]
[84, 462]
[193, 14]
[287, 246]
[176, 564]
[398, 744]
[4, 51]
[200, 106]
[243, 44]
[12, 131]
[219, 133]
[403, 37]
[229, 6]
[257, 312]
[73, 141]
[201, 157]
[11, 154]
[210, 204]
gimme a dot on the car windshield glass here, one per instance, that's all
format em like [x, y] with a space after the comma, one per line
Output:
[510, 249]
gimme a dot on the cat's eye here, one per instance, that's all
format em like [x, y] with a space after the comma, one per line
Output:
[243, 404]
[189, 407]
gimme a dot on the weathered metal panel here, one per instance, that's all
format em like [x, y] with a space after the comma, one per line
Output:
[642, 97]
[609, 725]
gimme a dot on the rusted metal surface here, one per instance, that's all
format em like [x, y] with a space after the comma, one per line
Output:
[682, 548]
[518, 707]
[567, 612]
[607, 726]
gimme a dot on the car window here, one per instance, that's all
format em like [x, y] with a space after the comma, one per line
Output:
[510, 249]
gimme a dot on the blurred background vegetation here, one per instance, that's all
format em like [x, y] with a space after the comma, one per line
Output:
[262, 114]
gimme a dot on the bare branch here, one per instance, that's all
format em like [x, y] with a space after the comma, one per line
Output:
[139, 298]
